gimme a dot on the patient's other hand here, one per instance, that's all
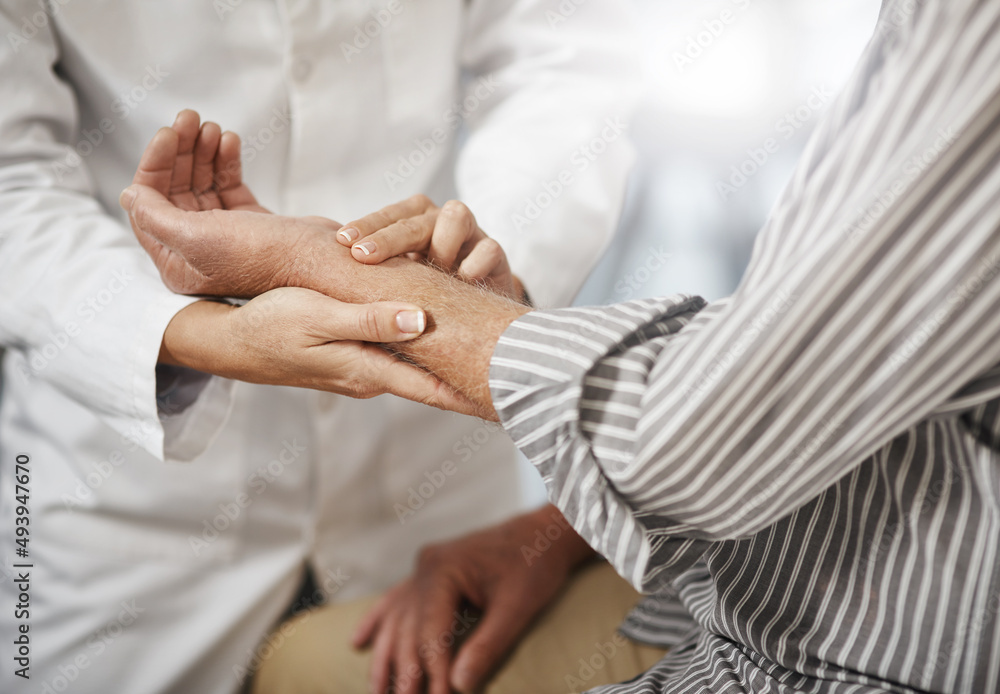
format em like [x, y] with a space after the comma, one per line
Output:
[411, 630]
[200, 223]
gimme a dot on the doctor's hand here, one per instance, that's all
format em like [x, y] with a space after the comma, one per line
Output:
[201, 225]
[424, 627]
[447, 237]
[298, 337]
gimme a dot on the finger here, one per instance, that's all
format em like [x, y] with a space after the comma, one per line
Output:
[382, 654]
[502, 624]
[156, 167]
[369, 624]
[412, 234]
[484, 260]
[186, 126]
[383, 322]
[455, 227]
[411, 207]
[155, 220]
[437, 637]
[389, 375]
[229, 174]
[409, 674]
[205, 148]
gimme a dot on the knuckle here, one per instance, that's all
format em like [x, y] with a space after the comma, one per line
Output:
[361, 389]
[457, 211]
[456, 208]
[411, 228]
[369, 325]
[491, 249]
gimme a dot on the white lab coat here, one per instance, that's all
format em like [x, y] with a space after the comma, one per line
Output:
[166, 539]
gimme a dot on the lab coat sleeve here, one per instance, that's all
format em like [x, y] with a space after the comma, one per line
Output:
[81, 306]
[551, 89]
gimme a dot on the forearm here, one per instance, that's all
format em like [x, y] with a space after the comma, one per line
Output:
[192, 338]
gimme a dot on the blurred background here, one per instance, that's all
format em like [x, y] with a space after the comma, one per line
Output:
[727, 109]
[733, 90]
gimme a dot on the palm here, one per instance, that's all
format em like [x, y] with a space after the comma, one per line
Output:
[197, 168]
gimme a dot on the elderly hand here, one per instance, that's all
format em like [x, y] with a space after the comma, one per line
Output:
[447, 237]
[414, 631]
[207, 234]
[202, 226]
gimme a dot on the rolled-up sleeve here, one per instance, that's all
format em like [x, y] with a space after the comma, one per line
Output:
[870, 305]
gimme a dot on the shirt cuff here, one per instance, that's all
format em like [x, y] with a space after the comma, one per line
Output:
[539, 383]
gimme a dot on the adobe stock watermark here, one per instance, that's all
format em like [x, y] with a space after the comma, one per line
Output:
[876, 547]
[434, 480]
[827, 432]
[97, 644]
[591, 666]
[779, 304]
[983, 621]
[39, 358]
[545, 537]
[365, 33]
[910, 171]
[137, 434]
[897, 15]
[453, 117]
[956, 299]
[656, 259]
[255, 143]
[257, 483]
[327, 585]
[713, 30]
[429, 652]
[785, 129]
[582, 158]
[122, 107]
[35, 22]
[564, 10]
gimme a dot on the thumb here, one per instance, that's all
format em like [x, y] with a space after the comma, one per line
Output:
[386, 321]
[152, 215]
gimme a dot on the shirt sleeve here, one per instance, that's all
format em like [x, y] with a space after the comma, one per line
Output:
[546, 162]
[870, 306]
[81, 305]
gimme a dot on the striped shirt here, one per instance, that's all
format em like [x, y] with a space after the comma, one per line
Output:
[805, 477]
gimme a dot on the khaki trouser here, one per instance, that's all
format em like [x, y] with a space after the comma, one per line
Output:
[573, 646]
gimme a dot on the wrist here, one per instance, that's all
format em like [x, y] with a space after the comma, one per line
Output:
[568, 549]
[318, 261]
[191, 338]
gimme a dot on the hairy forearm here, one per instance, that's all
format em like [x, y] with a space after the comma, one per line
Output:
[464, 320]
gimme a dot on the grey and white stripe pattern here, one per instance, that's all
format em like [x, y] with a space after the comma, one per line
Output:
[811, 466]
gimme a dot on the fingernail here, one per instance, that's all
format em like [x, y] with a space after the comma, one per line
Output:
[349, 234]
[367, 247]
[411, 322]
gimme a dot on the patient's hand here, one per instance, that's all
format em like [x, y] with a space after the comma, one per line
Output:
[447, 237]
[197, 167]
[202, 226]
[409, 630]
